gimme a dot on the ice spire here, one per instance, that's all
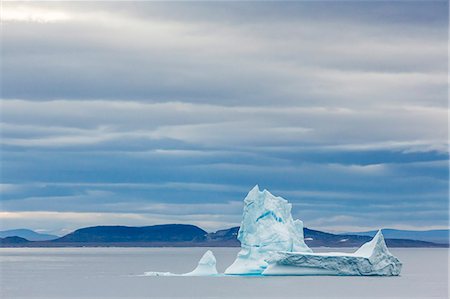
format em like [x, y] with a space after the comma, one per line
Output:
[206, 266]
[267, 226]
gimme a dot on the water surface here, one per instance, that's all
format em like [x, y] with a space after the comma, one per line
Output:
[115, 273]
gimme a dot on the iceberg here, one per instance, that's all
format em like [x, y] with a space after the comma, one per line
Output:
[206, 267]
[371, 259]
[272, 243]
[267, 227]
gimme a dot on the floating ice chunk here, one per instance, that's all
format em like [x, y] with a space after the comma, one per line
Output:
[153, 273]
[372, 258]
[206, 267]
[267, 226]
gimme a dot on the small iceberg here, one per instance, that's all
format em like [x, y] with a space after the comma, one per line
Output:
[206, 267]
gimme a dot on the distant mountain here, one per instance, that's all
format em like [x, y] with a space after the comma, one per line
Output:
[172, 235]
[27, 234]
[436, 236]
[315, 238]
[225, 237]
[13, 240]
[119, 234]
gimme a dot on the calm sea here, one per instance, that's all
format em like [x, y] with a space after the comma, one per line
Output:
[115, 273]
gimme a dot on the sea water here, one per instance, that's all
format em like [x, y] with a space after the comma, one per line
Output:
[117, 273]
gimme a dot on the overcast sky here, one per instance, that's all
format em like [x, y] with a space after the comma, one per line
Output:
[141, 113]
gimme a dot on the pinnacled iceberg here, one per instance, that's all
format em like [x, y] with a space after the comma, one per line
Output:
[206, 267]
[267, 227]
[272, 243]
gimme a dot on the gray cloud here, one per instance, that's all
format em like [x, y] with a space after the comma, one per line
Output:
[235, 58]
[144, 110]
[72, 123]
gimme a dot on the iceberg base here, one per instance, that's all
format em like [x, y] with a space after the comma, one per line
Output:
[372, 259]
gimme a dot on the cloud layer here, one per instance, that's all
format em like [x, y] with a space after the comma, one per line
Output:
[150, 112]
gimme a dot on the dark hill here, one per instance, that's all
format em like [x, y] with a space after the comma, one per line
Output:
[27, 234]
[13, 241]
[315, 238]
[436, 236]
[118, 234]
[224, 237]
[176, 235]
